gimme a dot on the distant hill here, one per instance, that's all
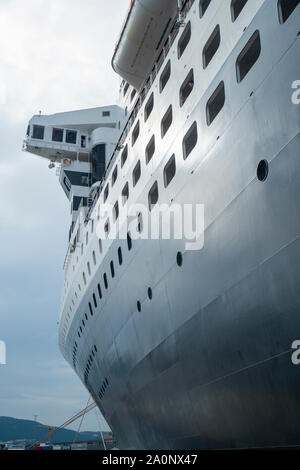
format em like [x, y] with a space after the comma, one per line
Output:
[12, 429]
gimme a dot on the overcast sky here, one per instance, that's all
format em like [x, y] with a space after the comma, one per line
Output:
[54, 56]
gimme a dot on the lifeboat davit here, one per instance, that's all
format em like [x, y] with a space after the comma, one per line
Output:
[147, 25]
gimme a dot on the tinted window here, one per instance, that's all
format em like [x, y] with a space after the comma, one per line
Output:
[153, 196]
[136, 173]
[169, 171]
[120, 257]
[106, 193]
[38, 132]
[184, 40]
[114, 176]
[190, 140]
[135, 133]
[215, 103]
[149, 107]
[116, 211]
[166, 121]
[186, 88]
[71, 137]
[125, 193]
[57, 135]
[164, 78]
[124, 155]
[236, 8]
[211, 46]
[248, 56]
[286, 8]
[150, 149]
[203, 6]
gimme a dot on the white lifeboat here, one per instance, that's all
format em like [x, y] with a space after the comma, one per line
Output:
[146, 27]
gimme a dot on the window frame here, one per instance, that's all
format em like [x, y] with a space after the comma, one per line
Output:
[251, 41]
[209, 117]
[164, 118]
[166, 71]
[151, 144]
[171, 160]
[189, 78]
[135, 180]
[186, 137]
[153, 188]
[186, 32]
[209, 42]
[150, 103]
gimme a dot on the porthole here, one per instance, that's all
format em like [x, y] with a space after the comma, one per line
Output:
[262, 170]
[139, 307]
[179, 259]
[150, 293]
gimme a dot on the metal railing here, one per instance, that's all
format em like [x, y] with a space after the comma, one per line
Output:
[141, 98]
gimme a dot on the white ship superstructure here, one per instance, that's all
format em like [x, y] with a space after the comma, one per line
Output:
[188, 348]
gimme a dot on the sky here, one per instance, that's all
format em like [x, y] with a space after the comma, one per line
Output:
[54, 56]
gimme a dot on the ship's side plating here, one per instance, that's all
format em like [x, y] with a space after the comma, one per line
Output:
[206, 363]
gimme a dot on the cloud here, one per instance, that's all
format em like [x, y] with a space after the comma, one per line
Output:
[56, 58]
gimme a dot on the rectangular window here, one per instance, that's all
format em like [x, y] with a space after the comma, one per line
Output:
[116, 211]
[184, 40]
[114, 176]
[105, 281]
[106, 192]
[211, 46]
[57, 135]
[112, 269]
[236, 8]
[169, 171]
[248, 56]
[135, 133]
[150, 149]
[83, 141]
[107, 228]
[120, 257]
[153, 196]
[190, 140]
[38, 132]
[136, 174]
[105, 113]
[215, 103]
[149, 106]
[125, 194]
[203, 6]
[164, 78]
[186, 88]
[71, 137]
[166, 121]
[99, 291]
[286, 8]
[124, 156]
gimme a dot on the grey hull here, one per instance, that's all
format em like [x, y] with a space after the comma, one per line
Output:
[207, 363]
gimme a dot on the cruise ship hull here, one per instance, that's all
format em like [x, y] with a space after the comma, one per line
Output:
[207, 362]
